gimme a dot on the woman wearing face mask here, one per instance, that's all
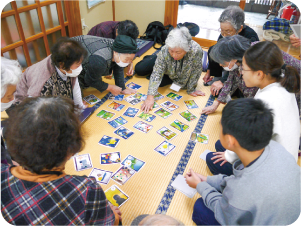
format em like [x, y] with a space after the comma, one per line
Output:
[56, 75]
[178, 62]
[104, 56]
[231, 23]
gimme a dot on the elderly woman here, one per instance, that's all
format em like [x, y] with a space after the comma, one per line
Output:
[104, 56]
[231, 23]
[179, 62]
[228, 52]
[10, 75]
[56, 75]
[39, 192]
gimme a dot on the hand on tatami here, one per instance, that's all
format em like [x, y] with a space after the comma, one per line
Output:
[115, 90]
[219, 156]
[210, 109]
[130, 69]
[197, 93]
[116, 210]
[216, 87]
[148, 104]
[207, 77]
[193, 178]
[128, 91]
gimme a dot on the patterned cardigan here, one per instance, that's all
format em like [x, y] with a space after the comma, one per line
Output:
[185, 72]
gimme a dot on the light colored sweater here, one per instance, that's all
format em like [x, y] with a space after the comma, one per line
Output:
[286, 129]
[265, 193]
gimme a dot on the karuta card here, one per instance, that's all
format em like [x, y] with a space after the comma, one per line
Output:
[158, 96]
[190, 104]
[174, 96]
[169, 105]
[123, 174]
[163, 113]
[133, 86]
[179, 125]
[188, 115]
[133, 163]
[140, 96]
[82, 162]
[146, 116]
[199, 137]
[116, 196]
[123, 132]
[164, 148]
[118, 97]
[204, 154]
[105, 114]
[132, 100]
[91, 99]
[155, 105]
[181, 185]
[110, 142]
[101, 176]
[131, 112]
[166, 133]
[116, 106]
[142, 126]
[110, 158]
[117, 122]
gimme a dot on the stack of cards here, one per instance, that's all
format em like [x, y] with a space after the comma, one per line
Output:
[82, 162]
[180, 184]
[166, 133]
[116, 196]
[163, 113]
[164, 148]
[169, 105]
[174, 96]
[190, 104]
[200, 138]
[188, 115]
[105, 114]
[146, 116]
[91, 99]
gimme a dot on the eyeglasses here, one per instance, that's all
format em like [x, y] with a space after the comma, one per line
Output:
[229, 33]
[241, 70]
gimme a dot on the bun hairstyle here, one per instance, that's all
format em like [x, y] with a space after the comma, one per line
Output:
[267, 57]
[186, 33]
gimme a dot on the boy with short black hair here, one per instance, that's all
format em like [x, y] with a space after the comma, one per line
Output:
[265, 187]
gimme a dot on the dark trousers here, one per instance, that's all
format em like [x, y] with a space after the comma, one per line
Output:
[145, 66]
[215, 69]
[217, 168]
[202, 215]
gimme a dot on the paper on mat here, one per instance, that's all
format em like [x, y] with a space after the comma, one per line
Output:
[180, 184]
[175, 87]
[204, 154]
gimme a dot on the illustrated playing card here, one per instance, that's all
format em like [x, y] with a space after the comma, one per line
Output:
[116, 196]
[91, 99]
[140, 96]
[123, 174]
[132, 162]
[133, 86]
[166, 133]
[164, 148]
[169, 105]
[110, 142]
[190, 104]
[146, 116]
[82, 162]
[174, 96]
[188, 115]
[116, 106]
[105, 114]
[101, 176]
[163, 113]
[179, 125]
[199, 137]
[158, 96]
[110, 158]
[117, 122]
[155, 105]
[131, 112]
[123, 132]
[142, 126]
[118, 97]
[132, 100]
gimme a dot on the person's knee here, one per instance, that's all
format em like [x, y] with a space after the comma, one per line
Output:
[197, 210]
[208, 159]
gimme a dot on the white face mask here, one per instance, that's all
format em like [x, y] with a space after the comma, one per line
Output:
[232, 69]
[4, 106]
[75, 72]
[121, 64]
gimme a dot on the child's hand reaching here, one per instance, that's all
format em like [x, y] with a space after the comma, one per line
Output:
[192, 178]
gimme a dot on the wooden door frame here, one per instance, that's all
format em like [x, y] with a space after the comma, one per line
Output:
[171, 17]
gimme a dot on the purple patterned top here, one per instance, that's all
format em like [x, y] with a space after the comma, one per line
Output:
[105, 29]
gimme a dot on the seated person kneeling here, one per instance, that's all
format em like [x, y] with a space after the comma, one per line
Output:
[39, 192]
[265, 187]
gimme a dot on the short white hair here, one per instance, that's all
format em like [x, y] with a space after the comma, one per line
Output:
[179, 38]
[11, 72]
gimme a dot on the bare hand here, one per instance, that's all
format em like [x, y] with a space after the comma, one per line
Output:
[207, 77]
[219, 156]
[216, 87]
[128, 91]
[109, 76]
[116, 210]
[192, 179]
[202, 177]
[115, 90]
[296, 42]
[197, 93]
[130, 69]
[148, 104]
[210, 109]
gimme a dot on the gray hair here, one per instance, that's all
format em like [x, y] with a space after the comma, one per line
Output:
[179, 37]
[11, 72]
[230, 48]
[161, 219]
[234, 15]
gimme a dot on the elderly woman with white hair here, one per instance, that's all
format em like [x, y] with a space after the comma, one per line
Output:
[179, 62]
[231, 23]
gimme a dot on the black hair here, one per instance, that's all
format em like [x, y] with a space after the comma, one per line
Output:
[129, 28]
[249, 121]
[66, 52]
[267, 57]
[42, 132]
